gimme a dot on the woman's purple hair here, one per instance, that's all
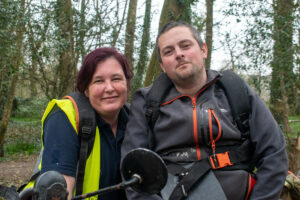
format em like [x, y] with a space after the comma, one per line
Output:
[91, 61]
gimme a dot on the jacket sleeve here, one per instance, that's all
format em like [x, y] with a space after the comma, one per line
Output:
[136, 135]
[269, 151]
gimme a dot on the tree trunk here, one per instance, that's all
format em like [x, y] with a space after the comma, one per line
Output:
[33, 78]
[82, 31]
[282, 62]
[66, 69]
[285, 105]
[297, 105]
[143, 58]
[130, 29]
[298, 153]
[209, 31]
[7, 109]
[16, 62]
[282, 69]
[172, 10]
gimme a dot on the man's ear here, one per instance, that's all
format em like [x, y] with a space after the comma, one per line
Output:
[162, 66]
[204, 50]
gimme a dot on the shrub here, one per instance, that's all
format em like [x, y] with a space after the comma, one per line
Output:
[31, 108]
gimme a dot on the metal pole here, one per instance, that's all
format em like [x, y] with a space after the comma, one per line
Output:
[136, 179]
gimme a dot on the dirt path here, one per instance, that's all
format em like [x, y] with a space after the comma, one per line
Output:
[18, 171]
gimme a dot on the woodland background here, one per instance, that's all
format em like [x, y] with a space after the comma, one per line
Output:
[43, 42]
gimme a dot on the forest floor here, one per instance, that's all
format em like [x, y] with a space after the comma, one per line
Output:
[17, 172]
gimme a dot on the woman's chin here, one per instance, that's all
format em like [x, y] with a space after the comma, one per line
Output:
[109, 109]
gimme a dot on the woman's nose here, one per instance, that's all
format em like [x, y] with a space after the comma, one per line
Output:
[108, 86]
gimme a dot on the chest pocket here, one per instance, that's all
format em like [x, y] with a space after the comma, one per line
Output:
[214, 125]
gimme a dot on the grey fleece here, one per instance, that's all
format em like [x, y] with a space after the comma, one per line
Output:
[176, 137]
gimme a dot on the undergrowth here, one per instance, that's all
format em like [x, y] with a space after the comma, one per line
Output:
[24, 129]
[295, 125]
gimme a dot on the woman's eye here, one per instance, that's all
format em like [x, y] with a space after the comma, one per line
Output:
[116, 79]
[98, 81]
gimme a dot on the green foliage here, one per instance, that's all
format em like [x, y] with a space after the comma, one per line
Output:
[8, 23]
[256, 38]
[267, 42]
[23, 136]
[186, 14]
[295, 125]
[29, 109]
[21, 147]
[24, 128]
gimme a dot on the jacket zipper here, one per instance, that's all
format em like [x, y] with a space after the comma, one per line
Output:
[195, 128]
[212, 139]
[194, 105]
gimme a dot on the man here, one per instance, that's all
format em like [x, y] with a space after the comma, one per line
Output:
[195, 120]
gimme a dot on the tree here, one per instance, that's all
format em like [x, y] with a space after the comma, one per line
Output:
[258, 43]
[119, 23]
[53, 29]
[66, 69]
[297, 53]
[36, 36]
[130, 29]
[173, 10]
[15, 64]
[283, 78]
[82, 33]
[209, 31]
[7, 24]
[250, 48]
[282, 63]
[143, 57]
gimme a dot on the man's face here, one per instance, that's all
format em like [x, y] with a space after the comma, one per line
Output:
[182, 57]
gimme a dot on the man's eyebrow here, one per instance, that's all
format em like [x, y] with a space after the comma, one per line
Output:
[180, 42]
[183, 41]
[167, 47]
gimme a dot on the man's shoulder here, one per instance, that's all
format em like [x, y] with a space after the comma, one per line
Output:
[142, 91]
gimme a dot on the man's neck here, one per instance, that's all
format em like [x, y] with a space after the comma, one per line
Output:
[191, 86]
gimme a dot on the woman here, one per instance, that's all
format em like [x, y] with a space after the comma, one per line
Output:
[105, 79]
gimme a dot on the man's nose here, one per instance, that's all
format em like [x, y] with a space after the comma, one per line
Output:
[179, 53]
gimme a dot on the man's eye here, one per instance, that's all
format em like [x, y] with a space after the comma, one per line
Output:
[168, 52]
[185, 46]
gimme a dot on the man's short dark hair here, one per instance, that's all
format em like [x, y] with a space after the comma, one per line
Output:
[173, 24]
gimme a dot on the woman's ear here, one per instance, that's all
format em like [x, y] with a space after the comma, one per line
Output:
[86, 92]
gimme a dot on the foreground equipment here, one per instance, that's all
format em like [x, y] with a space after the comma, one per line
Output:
[142, 169]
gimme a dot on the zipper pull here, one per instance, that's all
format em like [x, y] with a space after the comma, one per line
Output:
[213, 146]
[193, 102]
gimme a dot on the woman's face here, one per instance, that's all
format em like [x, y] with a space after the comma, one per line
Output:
[107, 91]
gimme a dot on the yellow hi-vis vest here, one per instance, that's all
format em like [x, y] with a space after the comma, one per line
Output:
[92, 169]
